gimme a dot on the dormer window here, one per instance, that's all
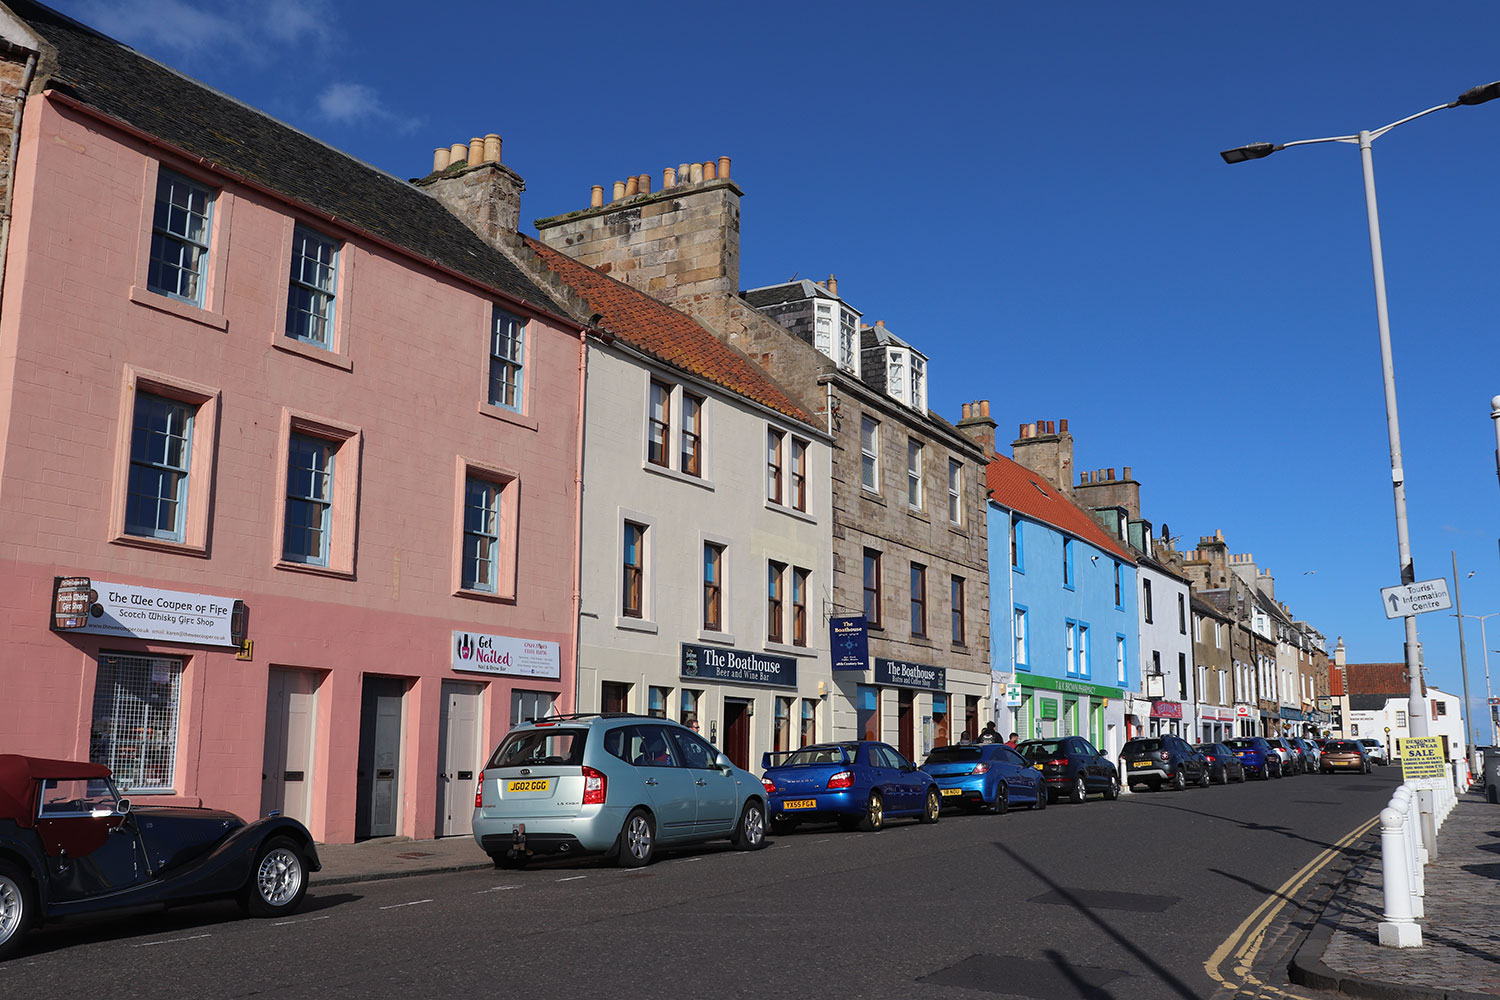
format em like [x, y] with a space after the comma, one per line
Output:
[918, 383]
[848, 342]
[823, 327]
[895, 378]
[906, 377]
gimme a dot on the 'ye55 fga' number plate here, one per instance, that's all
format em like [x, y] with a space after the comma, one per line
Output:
[529, 785]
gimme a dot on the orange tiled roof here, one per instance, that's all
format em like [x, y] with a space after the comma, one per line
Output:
[1377, 678]
[657, 329]
[1017, 487]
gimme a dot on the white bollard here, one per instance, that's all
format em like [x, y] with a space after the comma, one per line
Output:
[1404, 802]
[1399, 929]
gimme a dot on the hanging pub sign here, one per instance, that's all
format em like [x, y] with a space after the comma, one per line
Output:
[477, 652]
[98, 607]
[903, 673]
[850, 638]
[715, 663]
[1166, 710]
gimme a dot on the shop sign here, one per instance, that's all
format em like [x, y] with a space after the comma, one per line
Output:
[1293, 714]
[1072, 687]
[1243, 712]
[1012, 696]
[715, 663]
[1047, 709]
[1422, 762]
[849, 638]
[904, 673]
[98, 607]
[1166, 710]
[479, 653]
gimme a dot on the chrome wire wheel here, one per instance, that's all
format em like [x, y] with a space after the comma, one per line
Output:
[279, 877]
[12, 907]
[638, 837]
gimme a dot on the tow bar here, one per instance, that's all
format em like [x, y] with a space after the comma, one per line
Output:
[518, 841]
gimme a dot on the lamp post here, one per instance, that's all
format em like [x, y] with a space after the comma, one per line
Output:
[1417, 709]
[1485, 645]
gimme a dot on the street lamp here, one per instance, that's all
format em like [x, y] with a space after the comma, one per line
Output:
[1484, 643]
[1417, 709]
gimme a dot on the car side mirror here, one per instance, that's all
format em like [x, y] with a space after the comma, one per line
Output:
[123, 807]
[908, 767]
[723, 763]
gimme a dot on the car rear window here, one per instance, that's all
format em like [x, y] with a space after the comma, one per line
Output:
[1141, 746]
[816, 755]
[1205, 748]
[1241, 744]
[540, 746]
[1371, 743]
[1342, 746]
[1037, 749]
[950, 755]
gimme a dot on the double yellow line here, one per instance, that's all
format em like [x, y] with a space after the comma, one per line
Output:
[1242, 947]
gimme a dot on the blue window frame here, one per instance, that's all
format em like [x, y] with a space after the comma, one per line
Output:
[481, 535]
[309, 500]
[314, 282]
[1067, 566]
[507, 360]
[1021, 636]
[160, 450]
[180, 229]
[1017, 550]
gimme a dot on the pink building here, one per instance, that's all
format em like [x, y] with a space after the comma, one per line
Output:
[288, 458]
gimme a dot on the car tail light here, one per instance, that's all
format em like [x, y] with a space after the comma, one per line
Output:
[595, 786]
[770, 785]
[1209, 757]
[1059, 762]
[981, 769]
[844, 779]
[479, 791]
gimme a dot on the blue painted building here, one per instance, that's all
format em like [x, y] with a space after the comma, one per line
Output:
[1063, 623]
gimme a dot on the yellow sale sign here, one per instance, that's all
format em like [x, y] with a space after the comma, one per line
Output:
[1422, 759]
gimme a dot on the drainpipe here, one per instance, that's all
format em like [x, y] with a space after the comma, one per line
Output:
[15, 148]
[583, 365]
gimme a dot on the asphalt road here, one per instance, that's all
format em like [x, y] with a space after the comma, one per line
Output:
[1104, 900]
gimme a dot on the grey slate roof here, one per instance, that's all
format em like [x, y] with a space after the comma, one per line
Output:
[790, 291]
[115, 79]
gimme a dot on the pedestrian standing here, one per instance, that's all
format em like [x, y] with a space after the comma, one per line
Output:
[989, 734]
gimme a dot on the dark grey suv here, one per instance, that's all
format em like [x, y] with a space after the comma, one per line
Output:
[1168, 760]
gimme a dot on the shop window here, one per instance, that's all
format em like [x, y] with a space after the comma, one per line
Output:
[134, 728]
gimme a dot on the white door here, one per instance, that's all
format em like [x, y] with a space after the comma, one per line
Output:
[458, 757]
[291, 725]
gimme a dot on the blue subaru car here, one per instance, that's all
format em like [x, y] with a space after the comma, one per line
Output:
[1258, 757]
[988, 776]
[856, 784]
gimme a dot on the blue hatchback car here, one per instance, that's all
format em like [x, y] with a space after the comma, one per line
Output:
[1259, 758]
[988, 776]
[856, 784]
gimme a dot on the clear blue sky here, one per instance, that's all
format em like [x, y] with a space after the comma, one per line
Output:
[1032, 194]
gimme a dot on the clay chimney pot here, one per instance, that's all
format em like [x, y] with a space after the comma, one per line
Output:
[632, 186]
[492, 148]
[440, 159]
[1051, 428]
[1127, 472]
[668, 177]
[696, 173]
[1111, 475]
[643, 184]
[710, 170]
[596, 196]
[966, 410]
[833, 283]
[457, 153]
[619, 190]
[723, 168]
[984, 407]
[1063, 425]
[476, 151]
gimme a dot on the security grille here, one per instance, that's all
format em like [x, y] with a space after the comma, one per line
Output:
[135, 720]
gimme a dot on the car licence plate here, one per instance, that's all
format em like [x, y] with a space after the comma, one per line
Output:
[1140, 763]
[953, 791]
[800, 804]
[529, 785]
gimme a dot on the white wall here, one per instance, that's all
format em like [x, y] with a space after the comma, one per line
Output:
[1164, 635]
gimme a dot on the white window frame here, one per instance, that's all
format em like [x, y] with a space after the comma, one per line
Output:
[918, 376]
[870, 455]
[955, 491]
[895, 373]
[1022, 646]
[915, 460]
[848, 335]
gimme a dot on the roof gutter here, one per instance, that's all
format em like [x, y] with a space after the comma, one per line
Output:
[210, 165]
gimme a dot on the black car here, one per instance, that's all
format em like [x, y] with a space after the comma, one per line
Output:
[1223, 765]
[1155, 761]
[1071, 765]
[69, 845]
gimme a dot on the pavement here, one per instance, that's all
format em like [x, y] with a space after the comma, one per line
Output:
[397, 857]
[1460, 954]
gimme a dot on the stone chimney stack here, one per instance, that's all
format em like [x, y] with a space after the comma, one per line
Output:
[1046, 448]
[1102, 489]
[471, 181]
[680, 245]
[979, 426]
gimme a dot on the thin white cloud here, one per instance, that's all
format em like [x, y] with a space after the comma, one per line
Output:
[174, 25]
[354, 103]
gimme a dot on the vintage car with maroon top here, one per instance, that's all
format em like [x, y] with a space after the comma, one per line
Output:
[69, 845]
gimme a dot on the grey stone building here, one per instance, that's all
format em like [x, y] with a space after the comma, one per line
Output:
[909, 536]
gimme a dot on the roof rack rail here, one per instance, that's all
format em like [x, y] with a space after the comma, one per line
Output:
[570, 716]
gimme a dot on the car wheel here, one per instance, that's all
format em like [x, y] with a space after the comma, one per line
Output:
[1080, 790]
[1208, 779]
[1001, 805]
[750, 833]
[1179, 781]
[874, 817]
[932, 807]
[1278, 772]
[1041, 797]
[509, 861]
[17, 906]
[278, 879]
[1243, 777]
[1113, 791]
[1367, 767]
[637, 840]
